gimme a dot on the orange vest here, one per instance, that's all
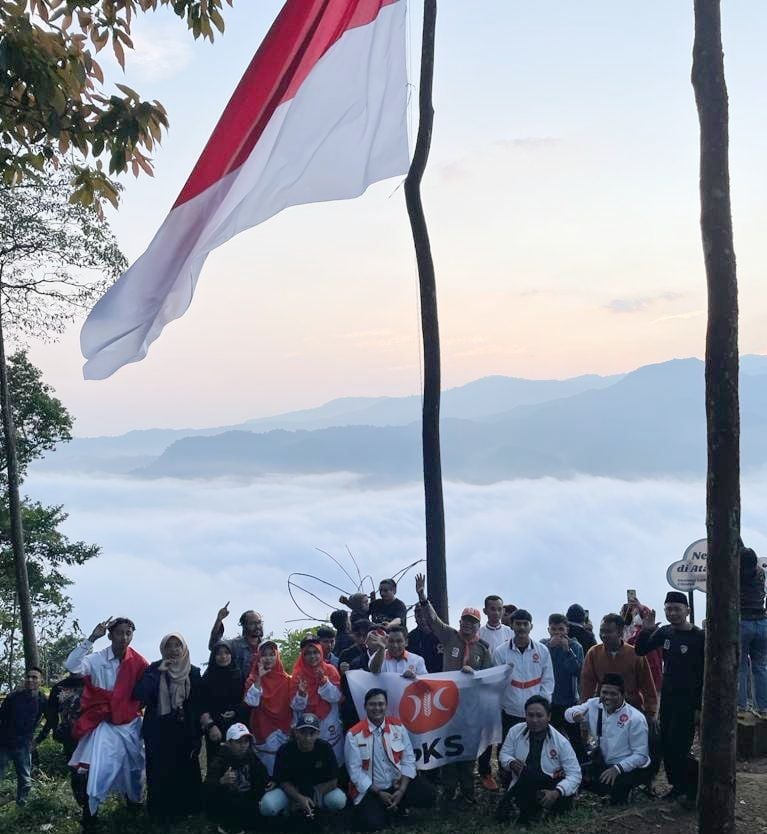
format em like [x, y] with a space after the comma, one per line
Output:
[391, 737]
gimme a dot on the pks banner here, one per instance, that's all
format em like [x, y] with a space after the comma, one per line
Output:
[450, 716]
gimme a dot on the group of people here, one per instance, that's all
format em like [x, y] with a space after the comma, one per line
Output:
[576, 714]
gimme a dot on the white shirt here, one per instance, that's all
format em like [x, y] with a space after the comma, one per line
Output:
[409, 661]
[359, 755]
[102, 666]
[384, 773]
[497, 636]
[531, 674]
[624, 733]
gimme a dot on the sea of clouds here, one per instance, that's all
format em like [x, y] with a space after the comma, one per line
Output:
[173, 552]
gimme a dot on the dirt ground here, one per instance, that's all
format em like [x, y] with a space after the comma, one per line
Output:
[662, 817]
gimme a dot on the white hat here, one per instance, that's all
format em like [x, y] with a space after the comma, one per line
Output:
[237, 731]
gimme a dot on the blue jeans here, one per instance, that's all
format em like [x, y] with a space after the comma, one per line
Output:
[753, 647]
[22, 761]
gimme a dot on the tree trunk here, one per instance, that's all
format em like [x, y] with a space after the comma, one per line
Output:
[14, 509]
[436, 568]
[716, 808]
[11, 643]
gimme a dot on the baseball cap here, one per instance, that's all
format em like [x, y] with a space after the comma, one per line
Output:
[308, 720]
[237, 731]
[471, 612]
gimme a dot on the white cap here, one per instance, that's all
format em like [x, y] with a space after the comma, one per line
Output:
[237, 731]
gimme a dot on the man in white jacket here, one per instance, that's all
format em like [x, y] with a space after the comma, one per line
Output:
[532, 672]
[545, 772]
[617, 741]
[380, 761]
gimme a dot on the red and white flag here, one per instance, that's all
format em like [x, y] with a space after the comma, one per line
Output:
[320, 114]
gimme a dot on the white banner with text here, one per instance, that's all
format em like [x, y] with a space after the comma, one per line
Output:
[450, 716]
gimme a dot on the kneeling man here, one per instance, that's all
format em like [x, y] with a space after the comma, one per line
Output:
[619, 757]
[381, 763]
[307, 774]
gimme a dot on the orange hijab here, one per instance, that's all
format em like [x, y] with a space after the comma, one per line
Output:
[273, 712]
[312, 675]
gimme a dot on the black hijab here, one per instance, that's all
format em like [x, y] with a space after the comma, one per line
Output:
[222, 685]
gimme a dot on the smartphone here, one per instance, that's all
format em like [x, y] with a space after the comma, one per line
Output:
[631, 595]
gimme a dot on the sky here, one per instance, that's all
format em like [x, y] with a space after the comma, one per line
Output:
[561, 195]
[174, 552]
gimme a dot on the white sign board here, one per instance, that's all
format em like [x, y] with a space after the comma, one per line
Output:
[689, 573]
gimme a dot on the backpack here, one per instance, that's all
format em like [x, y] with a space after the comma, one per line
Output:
[68, 711]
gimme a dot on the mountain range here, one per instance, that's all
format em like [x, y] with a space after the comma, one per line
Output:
[647, 423]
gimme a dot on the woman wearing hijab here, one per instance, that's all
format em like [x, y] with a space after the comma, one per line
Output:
[315, 687]
[267, 690]
[170, 690]
[221, 704]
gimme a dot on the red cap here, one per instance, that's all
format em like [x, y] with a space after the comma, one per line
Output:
[472, 612]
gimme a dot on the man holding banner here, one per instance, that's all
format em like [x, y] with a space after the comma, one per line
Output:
[381, 764]
[462, 649]
[450, 716]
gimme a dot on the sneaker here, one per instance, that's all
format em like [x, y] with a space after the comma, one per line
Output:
[488, 783]
[762, 713]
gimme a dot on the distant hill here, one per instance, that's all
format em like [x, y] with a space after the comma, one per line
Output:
[476, 400]
[648, 423]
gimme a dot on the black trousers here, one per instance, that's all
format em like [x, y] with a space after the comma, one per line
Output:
[677, 732]
[483, 762]
[621, 788]
[235, 810]
[525, 795]
[459, 773]
[507, 722]
[372, 815]
[571, 731]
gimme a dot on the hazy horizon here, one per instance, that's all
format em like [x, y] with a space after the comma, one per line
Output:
[173, 552]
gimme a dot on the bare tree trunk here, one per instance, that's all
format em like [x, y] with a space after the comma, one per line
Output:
[716, 809]
[436, 568]
[11, 643]
[14, 509]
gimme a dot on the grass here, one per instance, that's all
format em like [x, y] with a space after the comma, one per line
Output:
[52, 810]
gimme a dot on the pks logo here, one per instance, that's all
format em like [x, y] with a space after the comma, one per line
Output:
[428, 705]
[553, 754]
[536, 657]
[623, 719]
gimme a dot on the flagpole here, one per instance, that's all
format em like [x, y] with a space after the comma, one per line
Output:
[716, 804]
[436, 568]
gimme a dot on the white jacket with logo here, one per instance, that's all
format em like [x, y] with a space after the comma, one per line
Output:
[532, 673]
[358, 753]
[558, 758]
[624, 741]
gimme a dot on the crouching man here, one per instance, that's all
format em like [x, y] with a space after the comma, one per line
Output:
[545, 773]
[619, 757]
[235, 783]
[307, 774]
[381, 764]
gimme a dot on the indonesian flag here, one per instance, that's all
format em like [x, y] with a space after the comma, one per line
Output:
[320, 114]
